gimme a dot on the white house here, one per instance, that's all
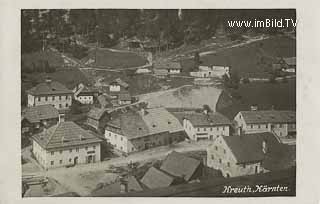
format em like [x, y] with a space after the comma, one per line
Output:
[117, 85]
[83, 94]
[208, 72]
[50, 92]
[199, 126]
[282, 123]
[65, 144]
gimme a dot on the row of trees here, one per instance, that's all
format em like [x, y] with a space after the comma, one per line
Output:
[41, 66]
[107, 26]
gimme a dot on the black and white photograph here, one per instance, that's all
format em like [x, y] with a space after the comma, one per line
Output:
[158, 102]
[150, 102]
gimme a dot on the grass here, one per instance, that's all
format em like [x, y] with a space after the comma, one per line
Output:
[246, 59]
[109, 59]
[53, 58]
[282, 96]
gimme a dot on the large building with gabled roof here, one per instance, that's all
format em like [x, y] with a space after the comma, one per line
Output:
[50, 92]
[65, 144]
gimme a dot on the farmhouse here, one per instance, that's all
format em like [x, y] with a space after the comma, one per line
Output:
[37, 117]
[117, 85]
[155, 178]
[124, 98]
[281, 123]
[243, 155]
[65, 144]
[169, 67]
[50, 92]
[208, 72]
[288, 64]
[84, 94]
[97, 117]
[199, 126]
[143, 129]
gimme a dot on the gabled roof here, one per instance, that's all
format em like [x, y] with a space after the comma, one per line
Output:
[167, 65]
[269, 116]
[115, 188]
[124, 96]
[96, 113]
[64, 134]
[43, 112]
[49, 88]
[155, 178]
[179, 165]
[210, 119]
[248, 148]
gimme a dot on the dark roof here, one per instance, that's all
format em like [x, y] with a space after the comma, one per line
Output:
[43, 112]
[167, 65]
[115, 188]
[179, 165]
[248, 148]
[96, 113]
[155, 178]
[64, 134]
[49, 88]
[280, 158]
[124, 97]
[210, 119]
[269, 116]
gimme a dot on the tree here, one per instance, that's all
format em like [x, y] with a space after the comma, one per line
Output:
[197, 61]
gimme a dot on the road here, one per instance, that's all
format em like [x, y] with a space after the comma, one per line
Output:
[82, 179]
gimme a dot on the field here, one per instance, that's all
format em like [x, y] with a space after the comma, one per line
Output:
[109, 59]
[54, 59]
[246, 59]
[282, 96]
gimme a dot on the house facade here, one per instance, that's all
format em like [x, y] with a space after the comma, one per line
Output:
[118, 85]
[206, 126]
[281, 123]
[65, 144]
[240, 155]
[140, 130]
[52, 93]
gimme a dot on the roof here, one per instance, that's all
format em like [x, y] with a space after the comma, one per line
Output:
[268, 116]
[120, 82]
[124, 97]
[160, 71]
[167, 65]
[134, 124]
[49, 88]
[114, 188]
[210, 119]
[64, 134]
[155, 178]
[290, 60]
[43, 112]
[179, 165]
[248, 148]
[96, 113]
[103, 100]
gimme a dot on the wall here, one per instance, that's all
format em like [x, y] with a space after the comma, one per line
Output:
[209, 132]
[174, 71]
[224, 153]
[55, 100]
[85, 99]
[30, 100]
[67, 157]
[121, 102]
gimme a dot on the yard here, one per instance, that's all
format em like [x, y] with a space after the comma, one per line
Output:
[282, 96]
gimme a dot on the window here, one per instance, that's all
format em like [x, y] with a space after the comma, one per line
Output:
[224, 151]
[59, 97]
[46, 98]
[259, 126]
[204, 129]
[132, 149]
[67, 105]
[220, 161]
[211, 129]
[251, 126]
[38, 98]
[53, 98]
[280, 125]
[52, 162]
[86, 148]
[60, 106]
[60, 161]
[228, 164]
[266, 125]
[121, 138]
[52, 153]
[216, 147]
[77, 149]
[109, 134]
[70, 160]
[60, 151]
[217, 128]
[70, 150]
[121, 148]
[94, 147]
[198, 129]
[223, 128]
[212, 157]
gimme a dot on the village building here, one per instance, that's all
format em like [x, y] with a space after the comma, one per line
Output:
[179, 165]
[155, 178]
[50, 92]
[206, 126]
[288, 64]
[123, 185]
[118, 85]
[209, 72]
[281, 123]
[84, 94]
[167, 68]
[137, 130]
[241, 155]
[97, 118]
[35, 117]
[124, 98]
[65, 144]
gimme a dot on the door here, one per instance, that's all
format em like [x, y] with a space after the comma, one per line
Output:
[90, 159]
[75, 160]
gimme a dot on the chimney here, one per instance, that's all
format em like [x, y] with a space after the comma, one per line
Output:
[264, 147]
[61, 118]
